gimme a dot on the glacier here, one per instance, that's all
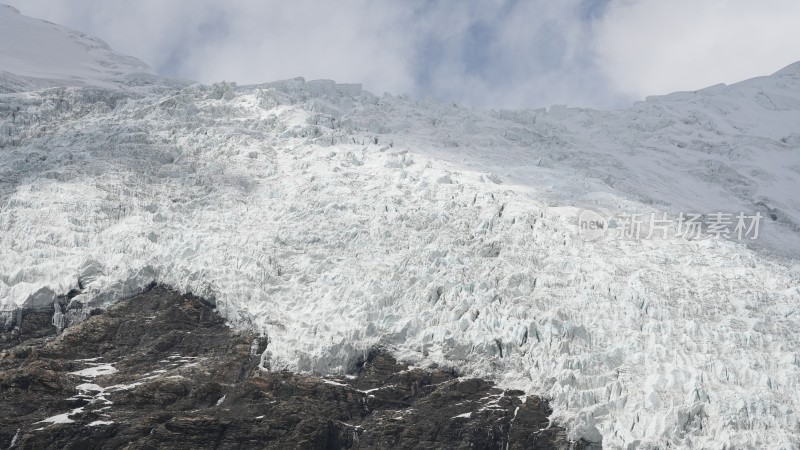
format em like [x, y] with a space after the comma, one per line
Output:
[335, 221]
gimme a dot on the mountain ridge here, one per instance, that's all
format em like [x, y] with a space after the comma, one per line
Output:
[37, 54]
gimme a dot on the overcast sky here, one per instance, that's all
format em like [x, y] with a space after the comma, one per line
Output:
[491, 53]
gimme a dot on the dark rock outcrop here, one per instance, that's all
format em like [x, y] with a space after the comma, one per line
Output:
[163, 370]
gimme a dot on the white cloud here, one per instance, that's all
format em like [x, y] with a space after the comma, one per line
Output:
[532, 54]
[498, 53]
[249, 41]
[655, 47]
[357, 42]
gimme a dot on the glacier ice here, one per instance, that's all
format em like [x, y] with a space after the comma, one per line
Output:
[332, 244]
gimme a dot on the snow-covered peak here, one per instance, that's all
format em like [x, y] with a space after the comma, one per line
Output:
[790, 70]
[36, 54]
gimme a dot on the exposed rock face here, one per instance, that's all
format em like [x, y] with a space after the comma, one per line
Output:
[163, 370]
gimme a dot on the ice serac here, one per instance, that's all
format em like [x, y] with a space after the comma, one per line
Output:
[35, 54]
[336, 221]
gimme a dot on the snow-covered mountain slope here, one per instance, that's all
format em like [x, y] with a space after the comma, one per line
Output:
[335, 221]
[726, 148]
[35, 54]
